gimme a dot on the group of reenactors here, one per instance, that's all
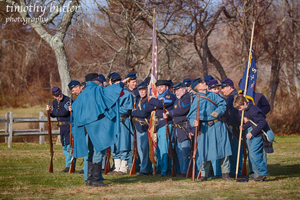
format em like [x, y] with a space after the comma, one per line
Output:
[107, 113]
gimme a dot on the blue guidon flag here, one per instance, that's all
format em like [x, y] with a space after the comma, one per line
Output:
[152, 92]
[252, 76]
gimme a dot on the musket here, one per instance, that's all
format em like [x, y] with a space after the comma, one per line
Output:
[244, 170]
[134, 153]
[170, 145]
[72, 163]
[195, 141]
[107, 165]
[50, 141]
[189, 170]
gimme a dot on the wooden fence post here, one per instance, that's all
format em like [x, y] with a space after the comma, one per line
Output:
[41, 127]
[10, 129]
[6, 126]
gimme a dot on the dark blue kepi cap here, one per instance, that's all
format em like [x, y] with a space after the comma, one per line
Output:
[73, 83]
[56, 91]
[162, 82]
[102, 77]
[98, 80]
[227, 82]
[195, 82]
[91, 76]
[115, 77]
[212, 84]
[208, 78]
[142, 85]
[187, 82]
[131, 75]
[171, 83]
[179, 85]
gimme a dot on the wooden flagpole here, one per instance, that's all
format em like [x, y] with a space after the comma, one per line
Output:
[243, 112]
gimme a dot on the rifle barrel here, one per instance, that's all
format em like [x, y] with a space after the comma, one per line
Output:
[170, 145]
[50, 141]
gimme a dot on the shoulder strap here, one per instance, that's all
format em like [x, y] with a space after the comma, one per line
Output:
[204, 97]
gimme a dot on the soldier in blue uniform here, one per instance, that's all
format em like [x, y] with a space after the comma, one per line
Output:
[168, 99]
[254, 135]
[140, 118]
[122, 149]
[213, 142]
[60, 110]
[181, 127]
[131, 86]
[262, 103]
[233, 122]
[95, 124]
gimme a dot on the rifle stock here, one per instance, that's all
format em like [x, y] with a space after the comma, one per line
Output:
[170, 145]
[195, 141]
[72, 164]
[189, 170]
[107, 165]
[134, 152]
[244, 170]
[50, 142]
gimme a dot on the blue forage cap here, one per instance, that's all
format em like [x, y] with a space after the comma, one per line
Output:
[56, 91]
[110, 75]
[227, 82]
[179, 85]
[212, 84]
[73, 84]
[142, 85]
[195, 82]
[98, 79]
[131, 75]
[163, 82]
[102, 77]
[147, 80]
[115, 77]
[91, 76]
[171, 83]
[187, 82]
[208, 78]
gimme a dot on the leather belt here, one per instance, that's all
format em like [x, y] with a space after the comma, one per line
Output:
[215, 120]
[63, 123]
[139, 119]
[124, 116]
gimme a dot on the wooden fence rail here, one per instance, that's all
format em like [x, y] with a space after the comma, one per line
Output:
[9, 132]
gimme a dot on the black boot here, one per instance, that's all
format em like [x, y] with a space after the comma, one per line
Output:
[96, 176]
[90, 174]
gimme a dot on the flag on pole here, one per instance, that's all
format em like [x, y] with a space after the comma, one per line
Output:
[252, 76]
[152, 92]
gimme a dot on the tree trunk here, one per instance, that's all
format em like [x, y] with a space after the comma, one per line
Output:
[274, 79]
[62, 64]
[214, 61]
[295, 49]
[204, 58]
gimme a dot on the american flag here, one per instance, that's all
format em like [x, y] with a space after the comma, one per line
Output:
[152, 92]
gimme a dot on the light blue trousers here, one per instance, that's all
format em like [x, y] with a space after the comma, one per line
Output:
[162, 150]
[255, 152]
[225, 166]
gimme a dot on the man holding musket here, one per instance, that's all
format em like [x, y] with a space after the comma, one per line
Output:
[60, 110]
[140, 118]
[165, 99]
[181, 127]
[213, 140]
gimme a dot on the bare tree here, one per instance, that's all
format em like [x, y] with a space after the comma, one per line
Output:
[56, 40]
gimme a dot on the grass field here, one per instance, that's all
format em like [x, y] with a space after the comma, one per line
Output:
[24, 175]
